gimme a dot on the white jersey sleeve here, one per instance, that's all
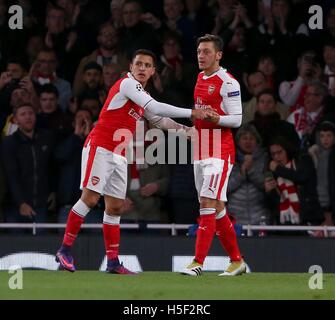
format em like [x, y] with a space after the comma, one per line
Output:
[231, 104]
[134, 91]
[167, 110]
[163, 122]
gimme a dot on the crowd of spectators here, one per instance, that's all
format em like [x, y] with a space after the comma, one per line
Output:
[56, 72]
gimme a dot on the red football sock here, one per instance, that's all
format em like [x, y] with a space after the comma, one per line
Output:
[205, 235]
[112, 240]
[227, 236]
[73, 225]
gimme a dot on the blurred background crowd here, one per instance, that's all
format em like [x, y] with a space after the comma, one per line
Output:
[56, 72]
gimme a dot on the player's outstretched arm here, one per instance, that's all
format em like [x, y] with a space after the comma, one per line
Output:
[134, 91]
[167, 110]
[164, 123]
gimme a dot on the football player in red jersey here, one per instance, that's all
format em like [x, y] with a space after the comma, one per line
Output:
[104, 166]
[214, 157]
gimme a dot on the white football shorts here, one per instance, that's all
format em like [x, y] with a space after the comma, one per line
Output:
[211, 178]
[104, 171]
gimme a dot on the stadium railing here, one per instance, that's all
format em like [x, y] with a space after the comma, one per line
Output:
[172, 226]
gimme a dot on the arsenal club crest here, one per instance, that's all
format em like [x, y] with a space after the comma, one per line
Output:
[95, 180]
[211, 89]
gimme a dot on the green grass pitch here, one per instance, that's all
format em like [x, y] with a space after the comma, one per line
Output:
[92, 285]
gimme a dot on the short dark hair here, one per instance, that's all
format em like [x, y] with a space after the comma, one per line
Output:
[85, 109]
[144, 52]
[171, 35]
[327, 126]
[266, 56]
[218, 42]
[291, 151]
[48, 88]
[19, 61]
[88, 96]
[138, 2]
[25, 104]
[92, 65]
[253, 73]
[266, 91]
[105, 25]
[48, 50]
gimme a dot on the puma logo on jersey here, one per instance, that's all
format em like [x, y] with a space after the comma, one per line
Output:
[211, 189]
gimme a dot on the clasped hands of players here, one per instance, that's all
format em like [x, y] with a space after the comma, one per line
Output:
[207, 114]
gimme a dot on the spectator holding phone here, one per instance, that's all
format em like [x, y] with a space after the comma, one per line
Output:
[9, 80]
[292, 92]
[20, 91]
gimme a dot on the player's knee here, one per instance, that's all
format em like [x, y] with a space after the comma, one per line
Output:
[90, 202]
[220, 206]
[116, 208]
[90, 198]
[207, 203]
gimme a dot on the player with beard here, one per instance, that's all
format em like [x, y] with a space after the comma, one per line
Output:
[104, 165]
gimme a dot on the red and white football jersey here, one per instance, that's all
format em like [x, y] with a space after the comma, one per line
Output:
[124, 106]
[221, 92]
